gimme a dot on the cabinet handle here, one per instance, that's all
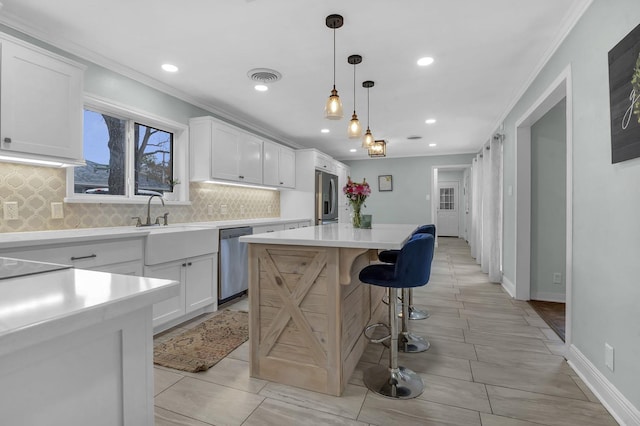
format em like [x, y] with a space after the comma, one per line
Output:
[281, 183]
[184, 265]
[189, 264]
[91, 256]
[241, 177]
[270, 230]
[7, 140]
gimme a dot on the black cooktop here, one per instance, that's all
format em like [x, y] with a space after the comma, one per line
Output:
[11, 268]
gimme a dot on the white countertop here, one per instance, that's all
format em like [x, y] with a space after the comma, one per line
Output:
[37, 307]
[381, 236]
[24, 239]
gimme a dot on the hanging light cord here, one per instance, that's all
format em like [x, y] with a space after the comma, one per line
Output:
[368, 112]
[334, 58]
[354, 88]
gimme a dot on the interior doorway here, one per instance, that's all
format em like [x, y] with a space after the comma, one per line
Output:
[458, 173]
[560, 89]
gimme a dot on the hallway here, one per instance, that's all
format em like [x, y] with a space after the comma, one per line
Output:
[492, 362]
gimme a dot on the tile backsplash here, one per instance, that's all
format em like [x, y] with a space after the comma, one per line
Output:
[35, 188]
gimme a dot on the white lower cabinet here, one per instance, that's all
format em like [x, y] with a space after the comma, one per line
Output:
[198, 286]
[267, 228]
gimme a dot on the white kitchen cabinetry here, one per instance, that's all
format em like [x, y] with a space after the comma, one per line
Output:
[324, 162]
[268, 228]
[196, 276]
[343, 171]
[279, 165]
[41, 104]
[188, 255]
[122, 256]
[220, 151]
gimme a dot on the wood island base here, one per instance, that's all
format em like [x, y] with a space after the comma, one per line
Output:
[308, 311]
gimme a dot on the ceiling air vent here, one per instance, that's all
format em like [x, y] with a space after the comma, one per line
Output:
[264, 75]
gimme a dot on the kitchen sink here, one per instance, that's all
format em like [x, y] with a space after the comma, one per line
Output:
[166, 243]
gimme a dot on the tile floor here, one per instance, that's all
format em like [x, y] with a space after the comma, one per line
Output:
[492, 362]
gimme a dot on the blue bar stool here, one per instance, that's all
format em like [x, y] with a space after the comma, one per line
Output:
[389, 256]
[410, 270]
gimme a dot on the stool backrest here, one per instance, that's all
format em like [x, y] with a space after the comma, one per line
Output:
[426, 229]
[413, 267]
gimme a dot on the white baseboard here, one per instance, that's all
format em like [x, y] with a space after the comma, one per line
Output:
[509, 287]
[620, 408]
[550, 297]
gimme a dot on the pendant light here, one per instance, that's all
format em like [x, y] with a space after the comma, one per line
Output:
[354, 131]
[333, 108]
[368, 139]
[378, 149]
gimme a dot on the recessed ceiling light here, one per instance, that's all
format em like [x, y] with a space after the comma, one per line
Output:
[353, 150]
[430, 120]
[169, 68]
[423, 62]
[325, 130]
[432, 145]
[261, 87]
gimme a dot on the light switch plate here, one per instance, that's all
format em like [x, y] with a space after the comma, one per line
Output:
[608, 356]
[57, 212]
[223, 209]
[10, 209]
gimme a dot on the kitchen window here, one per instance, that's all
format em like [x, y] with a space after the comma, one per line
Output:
[129, 155]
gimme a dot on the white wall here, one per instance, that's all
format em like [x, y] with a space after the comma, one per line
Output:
[412, 182]
[606, 199]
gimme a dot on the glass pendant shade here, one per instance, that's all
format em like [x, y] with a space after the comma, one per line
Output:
[333, 108]
[368, 139]
[355, 129]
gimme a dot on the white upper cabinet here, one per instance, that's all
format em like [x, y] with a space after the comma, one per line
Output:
[279, 165]
[41, 104]
[221, 151]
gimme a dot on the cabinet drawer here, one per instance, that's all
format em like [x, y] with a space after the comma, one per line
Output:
[87, 255]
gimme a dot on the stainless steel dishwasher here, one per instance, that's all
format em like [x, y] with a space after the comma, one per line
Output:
[233, 278]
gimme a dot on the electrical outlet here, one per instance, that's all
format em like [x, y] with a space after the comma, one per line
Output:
[223, 209]
[557, 278]
[210, 209]
[241, 209]
[269, 209]
[608, 356]
[10, 209]
[57, 212]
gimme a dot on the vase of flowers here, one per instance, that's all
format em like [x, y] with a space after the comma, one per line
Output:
[356, 193]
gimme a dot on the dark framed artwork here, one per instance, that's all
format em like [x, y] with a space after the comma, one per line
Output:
[385, 183]
[624, 97]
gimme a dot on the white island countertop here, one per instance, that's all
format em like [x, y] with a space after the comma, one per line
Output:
[380, 236]
[41, 306]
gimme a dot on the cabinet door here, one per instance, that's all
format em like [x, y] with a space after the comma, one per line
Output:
[271, 164]
[40, 104]
[225, 153]
[267, 228]
[250, 159]
[171, 308]
[287, 167]
[201, 285]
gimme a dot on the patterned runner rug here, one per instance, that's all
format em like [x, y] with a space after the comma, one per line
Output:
[205, 345]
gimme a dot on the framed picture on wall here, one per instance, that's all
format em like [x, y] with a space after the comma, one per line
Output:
[624, 97]
[385, 183]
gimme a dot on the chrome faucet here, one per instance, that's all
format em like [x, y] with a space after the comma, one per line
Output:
[148, 221]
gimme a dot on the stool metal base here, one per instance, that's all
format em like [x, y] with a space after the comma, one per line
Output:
[401, 384]
[417, 314]
[411, 343]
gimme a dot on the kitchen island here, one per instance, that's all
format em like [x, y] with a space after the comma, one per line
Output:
[307, 307]
[76, 346]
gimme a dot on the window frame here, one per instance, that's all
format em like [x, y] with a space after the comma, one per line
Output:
[132, 115]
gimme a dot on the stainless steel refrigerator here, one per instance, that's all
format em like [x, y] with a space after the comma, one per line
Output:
[326, 198]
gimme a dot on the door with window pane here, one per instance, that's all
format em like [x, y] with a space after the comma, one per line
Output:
[448, 212]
